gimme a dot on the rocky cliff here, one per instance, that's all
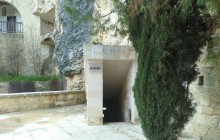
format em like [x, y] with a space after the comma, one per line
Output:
[71, 37]
[70, 34]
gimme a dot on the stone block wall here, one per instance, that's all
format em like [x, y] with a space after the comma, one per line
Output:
[205, 124]
[40, 100]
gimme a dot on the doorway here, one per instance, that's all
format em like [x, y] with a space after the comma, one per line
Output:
[11, 24]
[115, 73]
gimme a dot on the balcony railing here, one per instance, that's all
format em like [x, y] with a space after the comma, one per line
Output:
[11, 27]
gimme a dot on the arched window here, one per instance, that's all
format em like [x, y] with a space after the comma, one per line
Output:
[10, 19]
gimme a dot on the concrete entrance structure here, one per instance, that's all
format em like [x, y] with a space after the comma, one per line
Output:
[110, 72]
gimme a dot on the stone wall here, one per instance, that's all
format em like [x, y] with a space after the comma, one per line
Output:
[110, 34]
[40, 100]
[31, 34]
[205, 124]
[127, 103]
[11, 53]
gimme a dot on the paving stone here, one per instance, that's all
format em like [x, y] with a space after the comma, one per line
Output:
[66, 123]
[41, 134]
[23, 135]
[58, 134]
[7, 136]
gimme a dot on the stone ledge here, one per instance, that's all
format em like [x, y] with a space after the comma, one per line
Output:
[40, 100]
[40, 93]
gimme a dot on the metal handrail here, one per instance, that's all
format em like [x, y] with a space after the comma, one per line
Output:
[11, 27]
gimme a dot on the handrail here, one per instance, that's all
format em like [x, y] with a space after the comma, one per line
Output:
[11, 27]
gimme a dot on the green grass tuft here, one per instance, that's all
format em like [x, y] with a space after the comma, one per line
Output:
[28, 78]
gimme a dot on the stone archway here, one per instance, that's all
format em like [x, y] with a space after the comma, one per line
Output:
[10, 18]
[31, 34]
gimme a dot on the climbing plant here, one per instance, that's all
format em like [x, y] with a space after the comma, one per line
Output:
[168, 36]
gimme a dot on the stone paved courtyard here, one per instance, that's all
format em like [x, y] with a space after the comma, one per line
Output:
[66, 123]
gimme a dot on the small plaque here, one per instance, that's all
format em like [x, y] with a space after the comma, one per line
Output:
[94, 67]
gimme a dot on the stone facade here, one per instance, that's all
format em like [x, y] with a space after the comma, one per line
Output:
[31, 35]
[11, 53]
[39, 100]
[204, 125]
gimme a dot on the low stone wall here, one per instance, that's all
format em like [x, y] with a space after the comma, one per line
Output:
[32, 86]
[39, 100]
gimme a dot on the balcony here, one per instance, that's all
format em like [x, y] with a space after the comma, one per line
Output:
[11, 27]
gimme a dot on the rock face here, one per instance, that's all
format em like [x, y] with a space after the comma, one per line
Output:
[71, 38]
[109, 28]
[67, 36]
[72, 33]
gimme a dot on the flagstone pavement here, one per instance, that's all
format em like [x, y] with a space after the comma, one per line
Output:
[65, 123]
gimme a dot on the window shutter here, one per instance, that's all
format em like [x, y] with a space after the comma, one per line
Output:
[4, 11]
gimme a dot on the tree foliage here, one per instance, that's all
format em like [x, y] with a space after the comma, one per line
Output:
[168, 36]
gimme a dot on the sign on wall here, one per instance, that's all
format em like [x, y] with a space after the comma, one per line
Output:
[95, 67]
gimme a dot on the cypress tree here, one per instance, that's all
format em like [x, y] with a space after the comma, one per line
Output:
[168, 36]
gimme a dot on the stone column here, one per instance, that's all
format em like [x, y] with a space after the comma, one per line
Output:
[94, 70]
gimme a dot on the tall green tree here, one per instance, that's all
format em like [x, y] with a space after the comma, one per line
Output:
[168, 36]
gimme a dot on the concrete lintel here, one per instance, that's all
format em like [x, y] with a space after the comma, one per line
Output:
[109, 52]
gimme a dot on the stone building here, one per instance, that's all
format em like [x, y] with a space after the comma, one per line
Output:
[21, 35]
[107, 71]
[11, 21]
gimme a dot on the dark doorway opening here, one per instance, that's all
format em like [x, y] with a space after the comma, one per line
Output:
[111, 111]
[114, 97]
[11, 24]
